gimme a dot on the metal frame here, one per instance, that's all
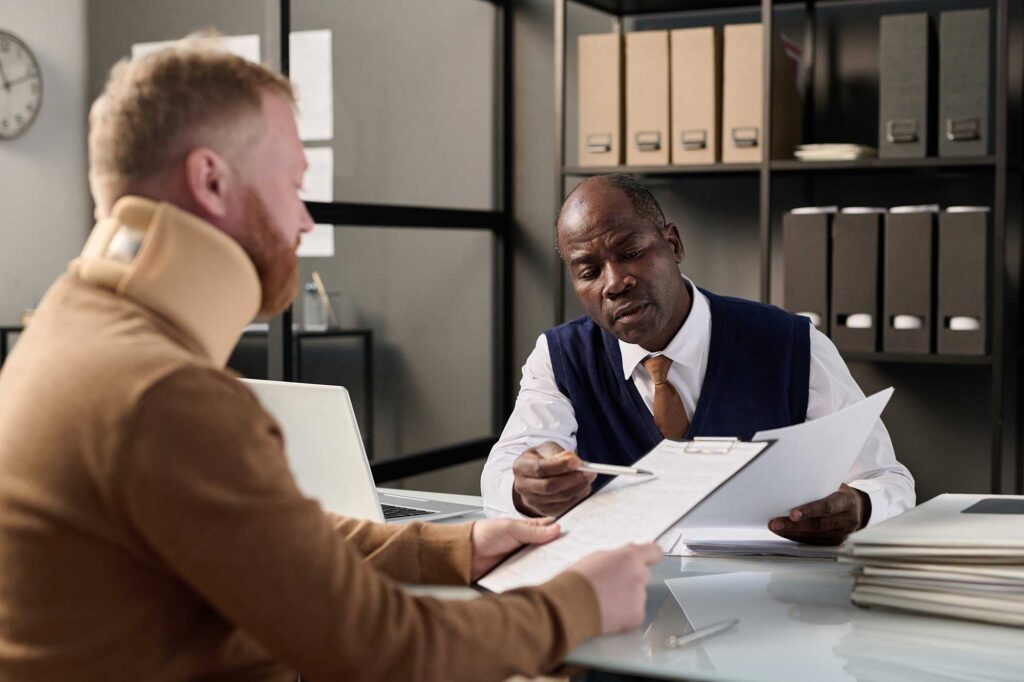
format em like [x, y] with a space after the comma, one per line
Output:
[1004, 355]
[5, 346]
[998, 329]
[280, 361]
[498, 222]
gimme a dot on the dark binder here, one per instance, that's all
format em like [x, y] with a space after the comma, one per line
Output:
[963, 83]
[855, 280]
[806, 254]
[907, 281]
[904, 92]
[962, 314]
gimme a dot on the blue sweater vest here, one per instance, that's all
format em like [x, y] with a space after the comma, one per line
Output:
[756, 379]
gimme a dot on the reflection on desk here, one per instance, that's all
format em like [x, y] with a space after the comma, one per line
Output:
[796, 623]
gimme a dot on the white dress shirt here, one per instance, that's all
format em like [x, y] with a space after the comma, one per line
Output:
[543, 413]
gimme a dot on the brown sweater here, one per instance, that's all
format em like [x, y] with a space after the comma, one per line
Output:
[150, 528]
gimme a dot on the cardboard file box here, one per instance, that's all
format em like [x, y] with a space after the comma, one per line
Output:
[742, 94]
[904, 89]
[696, 95]
[600, 99]
[743, 97]
[962, 314]
[647, 99]
[856, 238]
[806, 253]
[963, 83]
[909, 273]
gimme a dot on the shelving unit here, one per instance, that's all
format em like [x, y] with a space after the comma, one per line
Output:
[999, 169]
[932, 163]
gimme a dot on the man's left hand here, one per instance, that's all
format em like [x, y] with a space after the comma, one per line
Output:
[826, 521]
[495, 539]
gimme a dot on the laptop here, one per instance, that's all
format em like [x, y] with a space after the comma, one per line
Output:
[327, 457]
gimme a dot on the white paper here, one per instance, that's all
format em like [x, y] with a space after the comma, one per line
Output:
[245, 46]
[311, 73]
[317, 244]
[318, 185]
[629, 509]
[806, 463]
[731, 542]
[940, 526]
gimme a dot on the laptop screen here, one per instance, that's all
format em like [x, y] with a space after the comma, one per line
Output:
[323, 445]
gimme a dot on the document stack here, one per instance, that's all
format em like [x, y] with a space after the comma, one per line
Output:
[834, 152]
[960, 556]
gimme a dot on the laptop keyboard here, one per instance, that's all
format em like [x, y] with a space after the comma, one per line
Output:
[393, 512]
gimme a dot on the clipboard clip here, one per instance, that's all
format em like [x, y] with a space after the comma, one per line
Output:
[710, 446]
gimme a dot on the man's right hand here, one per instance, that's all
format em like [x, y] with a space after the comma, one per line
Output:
[546, 480]
[619, 578]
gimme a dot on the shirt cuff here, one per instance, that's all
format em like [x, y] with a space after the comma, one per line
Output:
[506, 507]
[875, 493]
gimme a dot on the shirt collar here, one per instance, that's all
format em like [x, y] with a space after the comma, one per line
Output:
[688, 347]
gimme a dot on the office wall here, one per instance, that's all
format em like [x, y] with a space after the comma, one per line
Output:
[44, 205]
[414, 123]
[114, 25]
[414, 113]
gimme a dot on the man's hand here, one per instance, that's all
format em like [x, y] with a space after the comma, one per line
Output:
[546, 480]
[619, 578]
[827, 521]
[495, 539]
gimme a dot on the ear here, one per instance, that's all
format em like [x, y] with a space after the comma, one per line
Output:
[671, 234]
[209, 179]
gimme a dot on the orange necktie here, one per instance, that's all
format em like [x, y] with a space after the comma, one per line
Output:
[669, 413]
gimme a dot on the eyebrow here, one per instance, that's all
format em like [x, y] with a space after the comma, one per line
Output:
[619, 242]
[629, 237]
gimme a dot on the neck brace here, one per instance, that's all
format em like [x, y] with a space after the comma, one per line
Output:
[177, 265]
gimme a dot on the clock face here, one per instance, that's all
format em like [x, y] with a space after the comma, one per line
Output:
[21, 86]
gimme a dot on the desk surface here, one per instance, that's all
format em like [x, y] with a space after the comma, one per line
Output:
[796, 623]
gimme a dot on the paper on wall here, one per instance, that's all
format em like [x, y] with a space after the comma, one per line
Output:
[318, 185]
[310, 70]
[245, 46]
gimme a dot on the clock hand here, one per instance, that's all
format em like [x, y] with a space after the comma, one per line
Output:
[20, 80]
[3, 76]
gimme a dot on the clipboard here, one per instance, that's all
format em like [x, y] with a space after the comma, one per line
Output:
[627, 509]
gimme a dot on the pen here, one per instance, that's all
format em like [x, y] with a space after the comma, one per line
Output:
[613, 469]
[676, 641]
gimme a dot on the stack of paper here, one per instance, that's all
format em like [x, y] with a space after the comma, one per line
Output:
[834, 152]
[956, 555]
[737, 542]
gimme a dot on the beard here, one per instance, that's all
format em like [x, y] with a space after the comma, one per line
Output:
[274, 258]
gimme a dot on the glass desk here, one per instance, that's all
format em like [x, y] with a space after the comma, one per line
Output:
[796, 623]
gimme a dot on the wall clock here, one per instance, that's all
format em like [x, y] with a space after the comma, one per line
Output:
[21, 86]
